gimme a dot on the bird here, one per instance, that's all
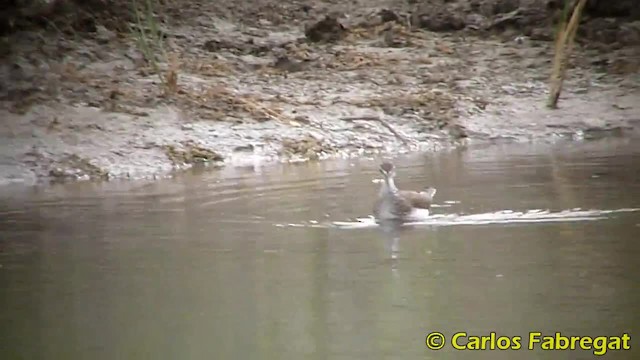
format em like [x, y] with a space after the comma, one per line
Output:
[396, 204]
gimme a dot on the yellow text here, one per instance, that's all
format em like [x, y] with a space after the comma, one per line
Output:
[463, 341]
[599, 344]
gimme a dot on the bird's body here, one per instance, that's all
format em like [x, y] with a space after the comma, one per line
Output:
[395, 204]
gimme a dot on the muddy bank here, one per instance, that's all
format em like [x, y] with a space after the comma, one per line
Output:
[266, 81]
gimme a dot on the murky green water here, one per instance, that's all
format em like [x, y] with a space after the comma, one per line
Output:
[243, 263]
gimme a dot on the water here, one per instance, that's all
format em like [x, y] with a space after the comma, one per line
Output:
[272, 262]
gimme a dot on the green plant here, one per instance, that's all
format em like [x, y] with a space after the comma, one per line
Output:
[150, 41]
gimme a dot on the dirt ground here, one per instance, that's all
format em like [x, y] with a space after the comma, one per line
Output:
[267, 80]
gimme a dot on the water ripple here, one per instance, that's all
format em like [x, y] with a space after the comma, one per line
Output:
[497, 217]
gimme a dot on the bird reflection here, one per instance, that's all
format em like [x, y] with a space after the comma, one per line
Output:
[391, 230]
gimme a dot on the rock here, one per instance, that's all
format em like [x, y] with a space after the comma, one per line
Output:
[74, 167]
[389, 39]
[328, 29]
[476, 21]
[284, 63]
[311, 146]
[613, 8]
[378, 18]
[217, 45]
[624, 67]
[136, 56]
[303, 119]
[387, 15]
[21, 69]
[536, 19]
[601, 30]
[457, 131]
[191, 154]
[510, 18]
[541, 34]
[244, 148]
[505, 6]
[438, 20]
[104, 35]
[629, 33]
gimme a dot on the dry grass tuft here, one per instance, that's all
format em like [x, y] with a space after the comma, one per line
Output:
[171, 76]
[223, 102]
[190, 153]
[563, 47]
[352, 60]
[216, 67]
[150, 41]
[432, 100]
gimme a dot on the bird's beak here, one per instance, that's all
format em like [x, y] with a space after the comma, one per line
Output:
[384, 173]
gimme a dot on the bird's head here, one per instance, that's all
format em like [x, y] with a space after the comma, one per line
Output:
[387, 169]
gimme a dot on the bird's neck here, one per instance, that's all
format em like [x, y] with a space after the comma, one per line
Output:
[388, 186]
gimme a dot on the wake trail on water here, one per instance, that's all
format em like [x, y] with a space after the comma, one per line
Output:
[497, 217]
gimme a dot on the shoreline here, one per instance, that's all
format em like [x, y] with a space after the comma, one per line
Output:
[259, 94]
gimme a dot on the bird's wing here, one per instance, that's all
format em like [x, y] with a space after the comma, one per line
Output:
[421, 200]
[402, 205]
